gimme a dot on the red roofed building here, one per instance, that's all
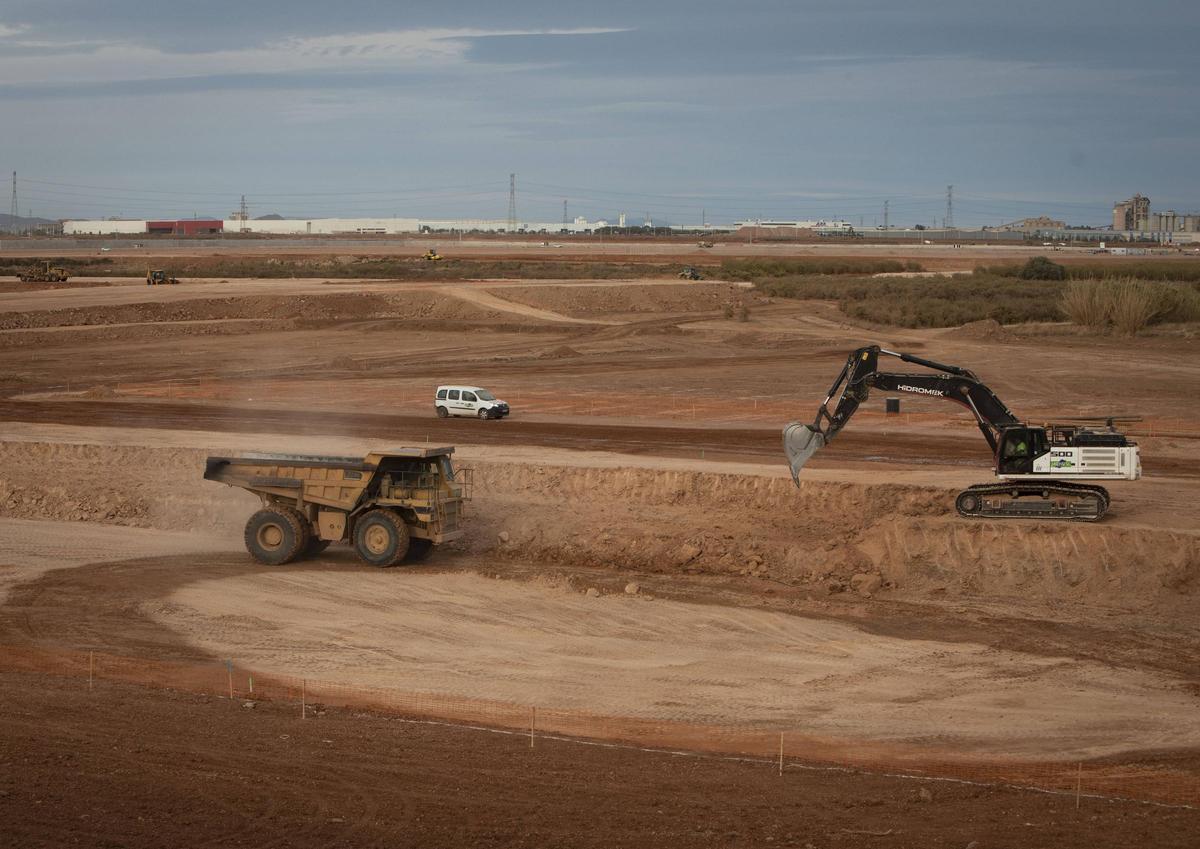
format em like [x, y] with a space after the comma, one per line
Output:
[185, 227]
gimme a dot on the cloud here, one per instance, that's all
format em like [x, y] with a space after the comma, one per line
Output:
[9, 30]
[91, 63]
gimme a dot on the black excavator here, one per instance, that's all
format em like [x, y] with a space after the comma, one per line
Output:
[1038, 466]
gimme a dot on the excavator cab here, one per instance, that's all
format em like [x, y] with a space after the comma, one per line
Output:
[1019, 447]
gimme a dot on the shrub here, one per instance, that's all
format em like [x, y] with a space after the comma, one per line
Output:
[1040, 268]
[1182, 270]
[927, 302]
[761, 269]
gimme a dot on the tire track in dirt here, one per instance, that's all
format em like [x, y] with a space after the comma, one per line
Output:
[488, 301]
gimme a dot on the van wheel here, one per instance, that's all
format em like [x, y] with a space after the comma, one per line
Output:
[442, 412]
[484, 413]
[274, 536]
[381, 537]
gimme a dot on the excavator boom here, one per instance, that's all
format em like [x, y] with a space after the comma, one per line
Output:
[861, 374]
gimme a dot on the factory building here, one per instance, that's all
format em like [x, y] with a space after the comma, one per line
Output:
[1135, 215]
[1132, 214]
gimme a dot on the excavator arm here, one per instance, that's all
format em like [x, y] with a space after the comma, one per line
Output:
[861, 374]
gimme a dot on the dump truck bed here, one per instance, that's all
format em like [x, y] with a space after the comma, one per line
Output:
[328, 481]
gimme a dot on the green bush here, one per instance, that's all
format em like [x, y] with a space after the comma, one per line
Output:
[1040, 268]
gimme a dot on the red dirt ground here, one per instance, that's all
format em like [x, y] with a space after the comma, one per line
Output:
[134, 767]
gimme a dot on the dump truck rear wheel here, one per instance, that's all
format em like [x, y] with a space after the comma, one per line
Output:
[274, 537]
[418, 549]
[381, 537]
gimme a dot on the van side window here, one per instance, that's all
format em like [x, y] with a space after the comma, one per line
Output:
[453, 394]
[468, 396]
[441, 396]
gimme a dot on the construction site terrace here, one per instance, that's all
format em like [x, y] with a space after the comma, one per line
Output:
[647, 634]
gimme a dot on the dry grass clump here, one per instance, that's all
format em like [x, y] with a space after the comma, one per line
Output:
[1128, 306]
[1084, 305]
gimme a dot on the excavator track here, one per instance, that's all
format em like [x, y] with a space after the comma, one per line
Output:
[1033, 500]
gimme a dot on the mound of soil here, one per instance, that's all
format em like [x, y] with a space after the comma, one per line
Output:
[988, 329]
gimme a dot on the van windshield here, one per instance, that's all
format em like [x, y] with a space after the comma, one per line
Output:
[484, 395]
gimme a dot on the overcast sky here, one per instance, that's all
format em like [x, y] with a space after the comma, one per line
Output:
[739, 109]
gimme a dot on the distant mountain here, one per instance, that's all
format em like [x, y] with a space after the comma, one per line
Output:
[8, 224]
[274, 216]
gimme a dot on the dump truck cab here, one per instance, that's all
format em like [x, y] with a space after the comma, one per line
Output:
[390, 505]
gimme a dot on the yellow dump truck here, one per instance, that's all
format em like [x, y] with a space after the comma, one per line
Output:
[390, 505]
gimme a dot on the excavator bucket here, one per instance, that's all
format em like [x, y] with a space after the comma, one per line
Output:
[800, 442]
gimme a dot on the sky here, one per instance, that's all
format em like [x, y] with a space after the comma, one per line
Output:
[727, 111]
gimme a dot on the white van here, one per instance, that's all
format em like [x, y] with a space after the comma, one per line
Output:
[468, 401]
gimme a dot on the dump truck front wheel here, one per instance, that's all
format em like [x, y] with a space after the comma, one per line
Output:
[274, 537]
[381, 537]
